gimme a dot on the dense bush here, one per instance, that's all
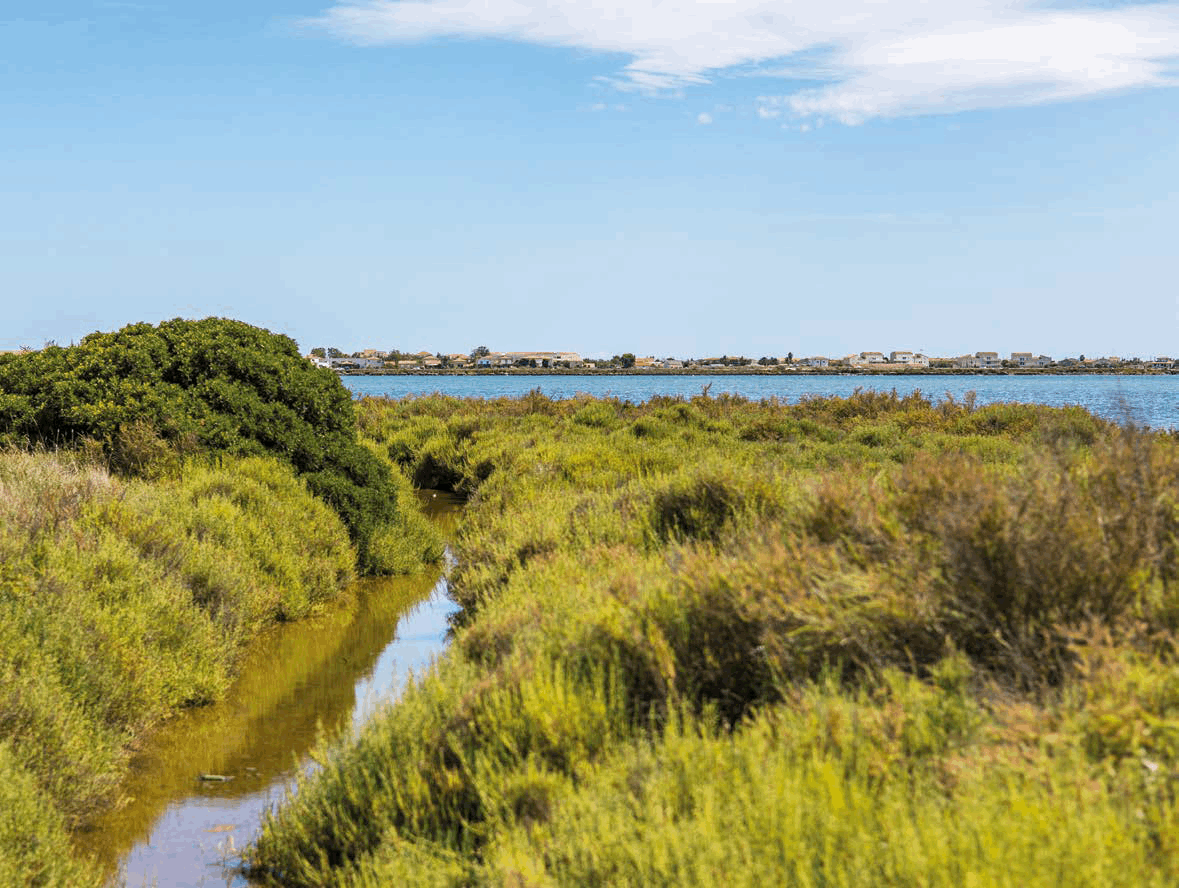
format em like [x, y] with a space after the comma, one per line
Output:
[861, 641]
[148, 393]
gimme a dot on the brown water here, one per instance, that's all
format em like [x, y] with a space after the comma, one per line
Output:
[298, 680]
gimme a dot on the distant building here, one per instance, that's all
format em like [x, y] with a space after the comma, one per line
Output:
[349, 363]
[542, 359]
[817, 361]
[908, 359]
[1027, 359]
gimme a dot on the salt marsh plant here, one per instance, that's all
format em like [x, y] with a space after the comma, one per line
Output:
[872, 640]
[122, 601]
[165, 493]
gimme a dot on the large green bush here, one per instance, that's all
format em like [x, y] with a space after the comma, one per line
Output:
[215, 385]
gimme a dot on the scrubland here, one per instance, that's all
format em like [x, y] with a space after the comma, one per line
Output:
[165, 493]
[862, 641]
[122, 600]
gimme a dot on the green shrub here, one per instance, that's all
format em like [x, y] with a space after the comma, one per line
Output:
[872, 640]
[122, 601]
[35, 849]
[696, 509]
[149, 395]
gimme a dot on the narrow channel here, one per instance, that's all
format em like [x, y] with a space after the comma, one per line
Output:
[298, 681]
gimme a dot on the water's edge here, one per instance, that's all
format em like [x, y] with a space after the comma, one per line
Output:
[1144, 400]
[297, 681]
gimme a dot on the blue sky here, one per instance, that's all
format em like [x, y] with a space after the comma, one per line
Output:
[671, 178]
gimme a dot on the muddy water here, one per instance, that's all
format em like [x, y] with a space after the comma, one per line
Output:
[297, 681]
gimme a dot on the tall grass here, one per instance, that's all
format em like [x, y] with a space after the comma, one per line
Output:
[872, 640]
[121, 601]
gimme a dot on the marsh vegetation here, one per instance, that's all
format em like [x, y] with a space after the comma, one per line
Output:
[848, 641]
[165, 494]
[865, 640]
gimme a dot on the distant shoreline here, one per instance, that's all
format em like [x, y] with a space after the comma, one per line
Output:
[762, 371]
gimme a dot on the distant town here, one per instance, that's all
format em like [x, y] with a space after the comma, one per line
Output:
[482, 359]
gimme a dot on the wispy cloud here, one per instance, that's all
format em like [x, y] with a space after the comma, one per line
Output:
[848, 60]
[704, 118]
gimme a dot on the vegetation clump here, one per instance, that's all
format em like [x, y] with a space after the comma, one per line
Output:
[873, 640]
[122, 601]
[148, 394]
[165, 493]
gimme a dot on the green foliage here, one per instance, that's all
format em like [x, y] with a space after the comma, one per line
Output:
[122, 601]
[34, 846]
[152, 394]
[872, 640]
[839, 791]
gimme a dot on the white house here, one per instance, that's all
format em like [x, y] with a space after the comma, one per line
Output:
[908, 359]
[356, 363]
[542, 359]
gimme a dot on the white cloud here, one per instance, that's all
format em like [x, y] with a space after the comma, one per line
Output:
[704, 118]
[863, 58]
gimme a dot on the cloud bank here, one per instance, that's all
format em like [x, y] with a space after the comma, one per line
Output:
[848, 60]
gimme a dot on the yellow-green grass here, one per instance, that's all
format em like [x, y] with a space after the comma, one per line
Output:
[861, 641]
[121, 601]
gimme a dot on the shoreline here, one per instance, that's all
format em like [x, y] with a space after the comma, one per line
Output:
[759, 371]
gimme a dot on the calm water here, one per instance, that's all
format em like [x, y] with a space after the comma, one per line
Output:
[1144, 400]
[298, 679]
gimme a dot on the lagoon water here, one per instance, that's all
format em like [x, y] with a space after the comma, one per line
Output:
[1143, 400]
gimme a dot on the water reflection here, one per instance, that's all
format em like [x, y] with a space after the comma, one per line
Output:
[297, 680]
